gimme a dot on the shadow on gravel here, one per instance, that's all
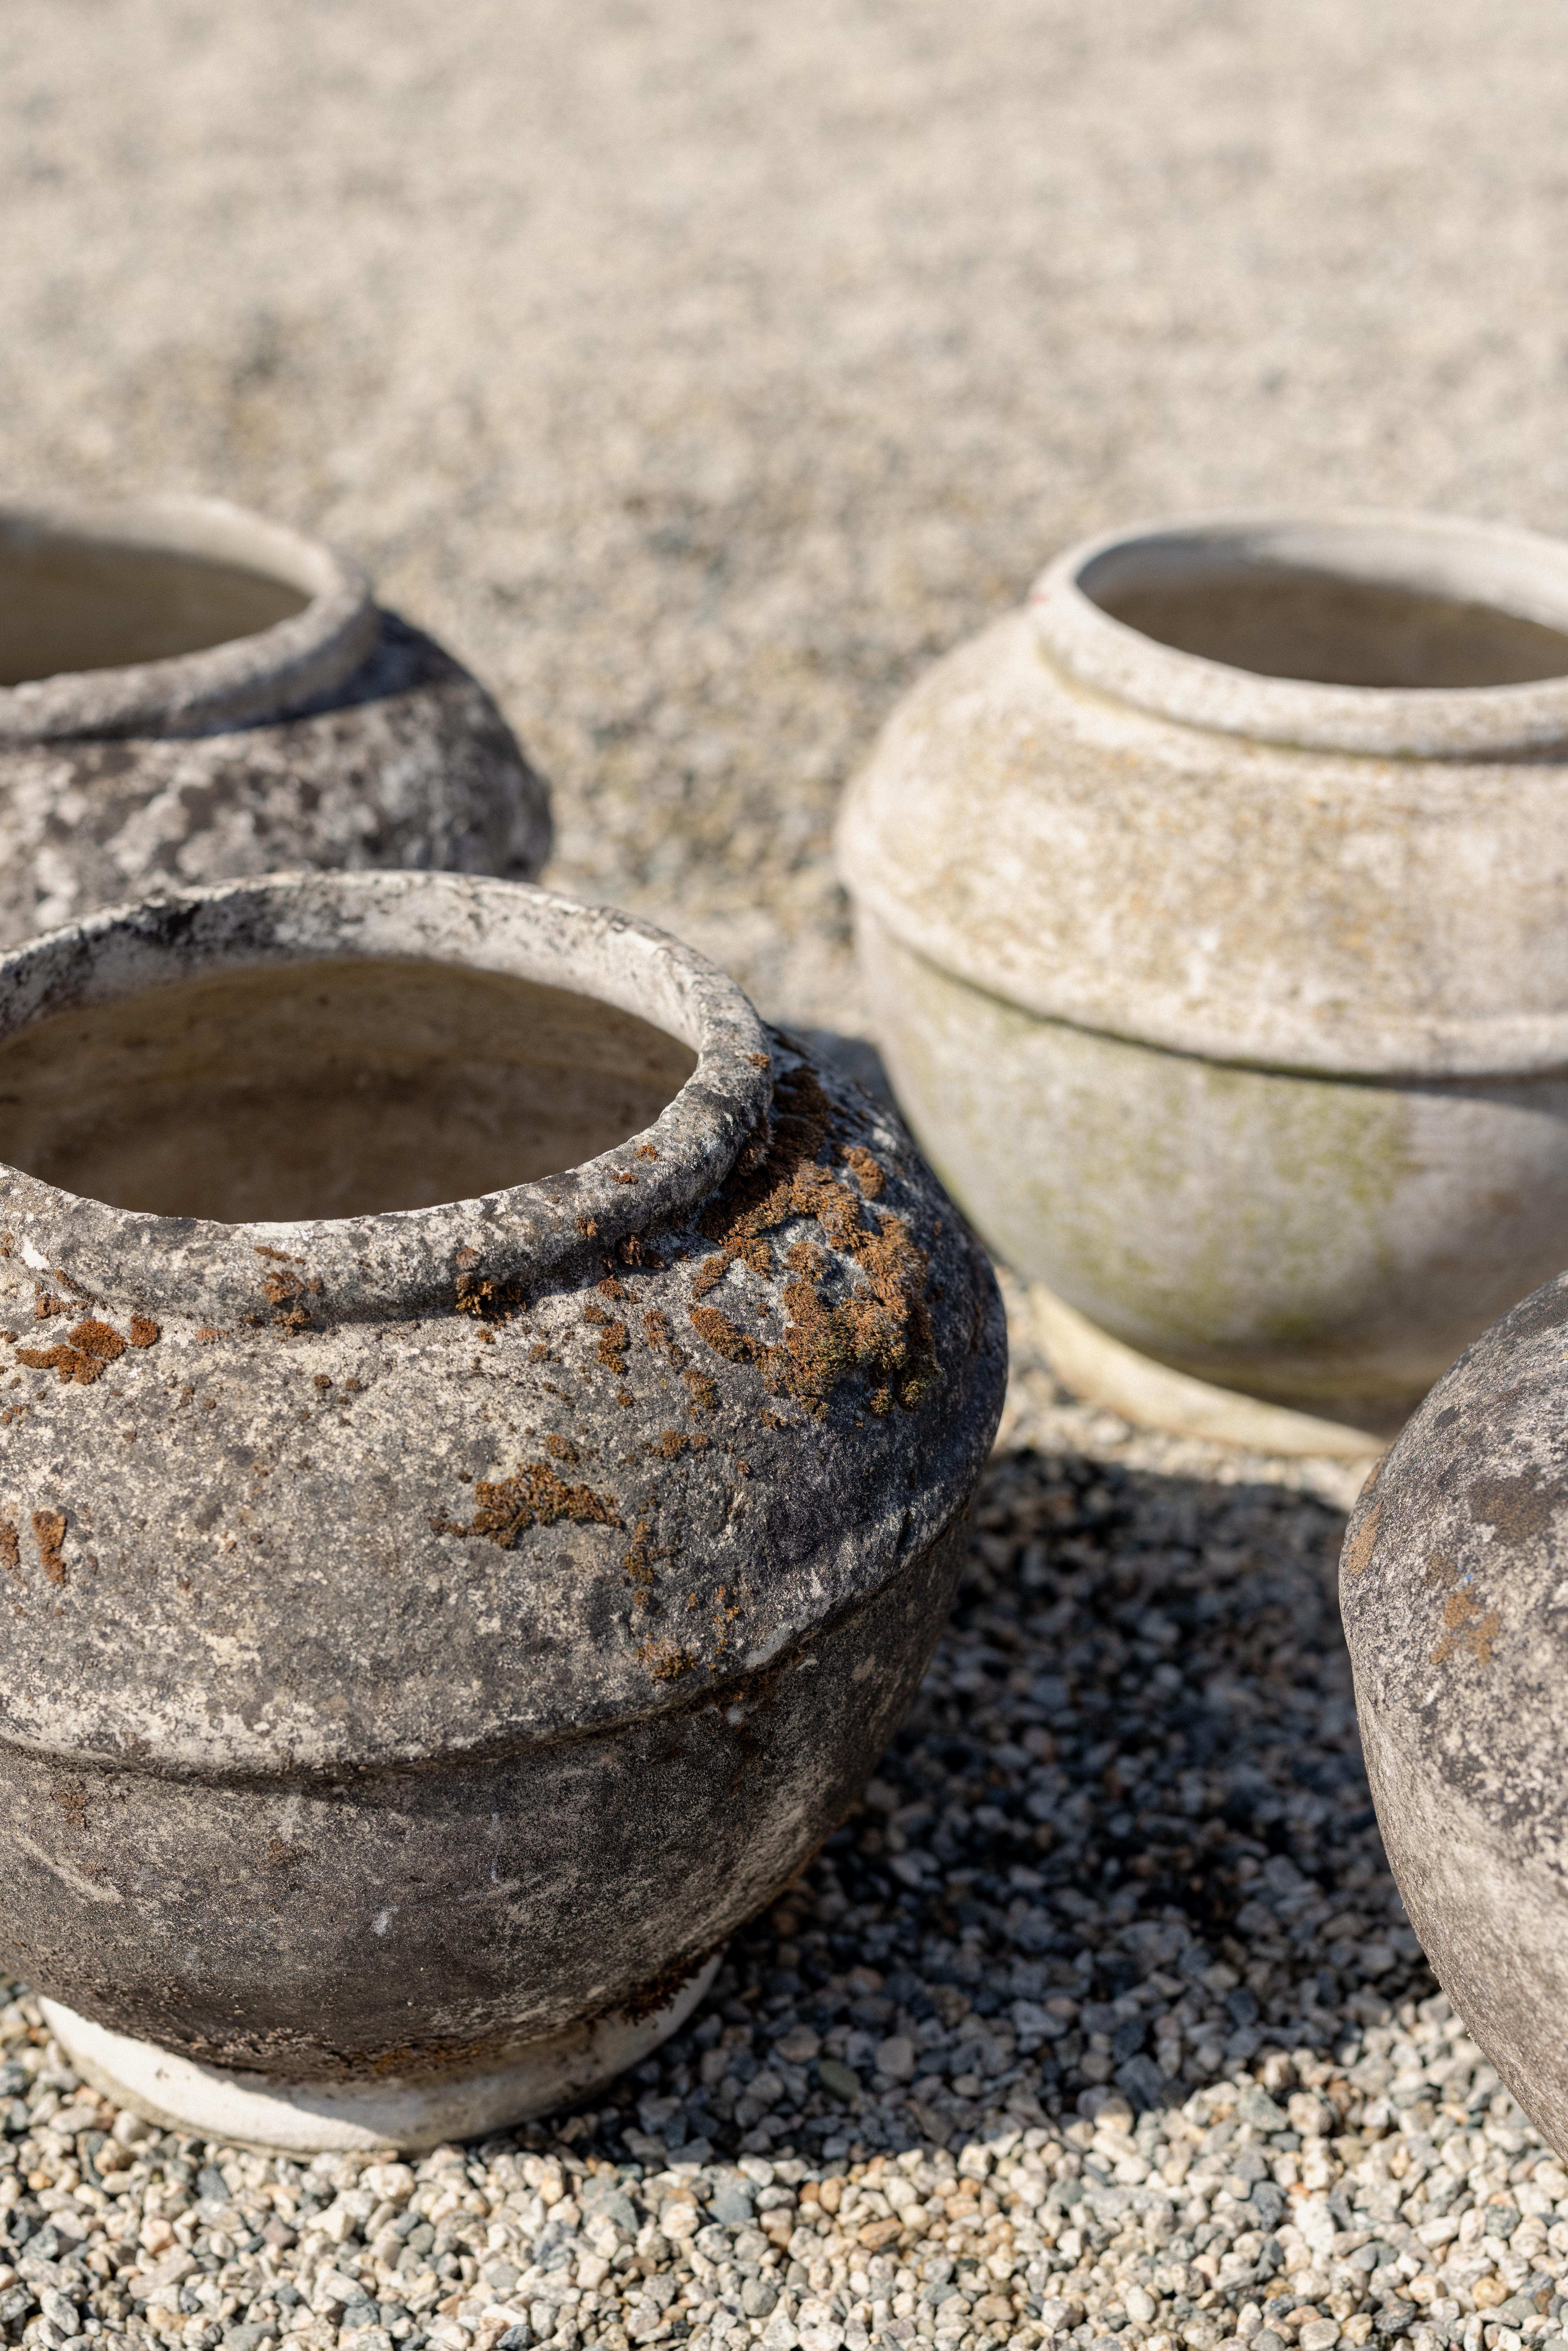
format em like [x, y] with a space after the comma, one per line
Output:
[1122, 1844]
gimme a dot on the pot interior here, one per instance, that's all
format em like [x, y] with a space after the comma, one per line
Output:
[69, 602]
[1299, 621]
[299, 1090]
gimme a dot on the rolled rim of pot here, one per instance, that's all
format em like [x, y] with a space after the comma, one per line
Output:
[169, 615]
[396, 1264]
[1454, 632]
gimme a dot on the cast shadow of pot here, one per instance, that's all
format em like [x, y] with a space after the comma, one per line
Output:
[1129, 1794]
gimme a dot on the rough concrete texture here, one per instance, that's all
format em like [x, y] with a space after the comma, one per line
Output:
[1224, 883]
[698, 372]
[1452, 1591]
[189, 691]
[407, 764]
[430, 1628]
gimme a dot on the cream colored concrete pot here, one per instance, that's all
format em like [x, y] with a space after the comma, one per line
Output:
[1214, 912]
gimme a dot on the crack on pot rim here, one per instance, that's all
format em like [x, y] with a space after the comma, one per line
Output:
[399, 1264]
[1517, 573]
[755, 1686]
[267, 672]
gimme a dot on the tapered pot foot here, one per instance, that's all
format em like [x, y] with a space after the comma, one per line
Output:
[1104, 1371]
[394, 2113]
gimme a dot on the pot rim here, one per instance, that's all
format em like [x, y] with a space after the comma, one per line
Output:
[1520, 571]
[398, 1263]
[232, 683]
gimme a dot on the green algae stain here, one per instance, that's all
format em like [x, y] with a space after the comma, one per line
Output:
[1241, 1224]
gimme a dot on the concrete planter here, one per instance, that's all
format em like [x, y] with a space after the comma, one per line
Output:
[1452, 1595]
[488, 1431]
[1212, 913]
[188, 691]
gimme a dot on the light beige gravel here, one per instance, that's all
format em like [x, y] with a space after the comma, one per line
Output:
[699, 372]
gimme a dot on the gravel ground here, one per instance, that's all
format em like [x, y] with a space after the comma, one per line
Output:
[699, 372]
[1099, 2017]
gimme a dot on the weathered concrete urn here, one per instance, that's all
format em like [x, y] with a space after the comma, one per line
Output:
[1453, 1595]
[1213, 914]
[189, 692]
[486, 1431]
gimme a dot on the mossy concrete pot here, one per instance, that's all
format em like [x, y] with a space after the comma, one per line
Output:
[189, 692]
[488, 1431]
[1452, 1587]
[1212, 913]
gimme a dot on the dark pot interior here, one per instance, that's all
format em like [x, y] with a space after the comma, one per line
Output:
[70, 602]
[1281, 620]
[328, 1089]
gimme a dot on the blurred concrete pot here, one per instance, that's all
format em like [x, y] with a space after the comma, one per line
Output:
[188, 691]
[473, 1508]
[1452, 1587]
[1213, 913]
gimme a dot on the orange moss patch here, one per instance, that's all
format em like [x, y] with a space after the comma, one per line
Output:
[94, 1338]
[81, 1356]
[144, 1331]
[533, 1496]
[10, 1548]
[867, 1173]
[725, 1337]
[657, 1331]
[665, 1662]
[673, 1442]
[1468, 1625]
[639, 1565]
[286, 1292]
[611, 1351]
[883, 1328]
[487, 1300]
[49, 1528]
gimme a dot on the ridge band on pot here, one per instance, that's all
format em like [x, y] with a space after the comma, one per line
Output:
[453, 1617]
[1211, 912]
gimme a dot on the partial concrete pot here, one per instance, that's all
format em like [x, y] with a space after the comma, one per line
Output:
[188, 691]
[1451, 1586]
[489, 1431]
[1212, 913]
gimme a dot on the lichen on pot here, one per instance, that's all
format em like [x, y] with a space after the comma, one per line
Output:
[487, 1428]
[1211, 910]
[1451, 1588]
[189, 692]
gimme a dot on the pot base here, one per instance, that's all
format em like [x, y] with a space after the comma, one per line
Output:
[1103, 1371]
[396, 2114]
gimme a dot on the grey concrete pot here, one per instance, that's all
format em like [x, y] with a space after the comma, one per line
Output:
[188, 691]
[471, 1510]
[1451, 1586]
[1212, 914]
